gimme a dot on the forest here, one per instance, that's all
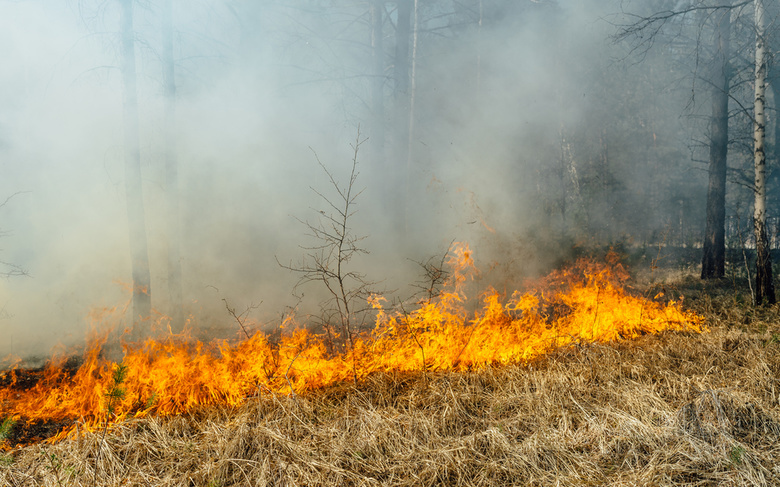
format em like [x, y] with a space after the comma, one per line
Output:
[176, 148]
[504, 241]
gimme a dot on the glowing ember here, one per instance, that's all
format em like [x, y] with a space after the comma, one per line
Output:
[583, 304]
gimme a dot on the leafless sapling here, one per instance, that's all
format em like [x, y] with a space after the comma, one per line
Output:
[328, 259]
[434, 275]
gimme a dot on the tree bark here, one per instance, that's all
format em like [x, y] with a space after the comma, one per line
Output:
[713, 262]
[378, 82]
[401, 78]
[401, 98]
[171, 171]
[765, 290]
[562, 176]
[139, 255]
[412, 85]
[479, 50]
[410, 198]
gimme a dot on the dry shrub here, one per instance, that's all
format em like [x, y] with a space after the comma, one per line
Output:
[673, 409]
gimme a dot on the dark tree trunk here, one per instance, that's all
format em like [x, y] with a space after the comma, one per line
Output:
[142, 300]
[765, 286]
[171, 170]
[774, 84]
[714, 259]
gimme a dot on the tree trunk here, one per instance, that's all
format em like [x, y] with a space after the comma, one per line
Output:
[765, 290]
[402, 104]
[410, 192]
[401, 78]
[412, 85]
[378, 83]
[384, 174]
[713, 262]
[171, 171]
[562, 175]
[139, 255]
[607, 196]
[479, 51]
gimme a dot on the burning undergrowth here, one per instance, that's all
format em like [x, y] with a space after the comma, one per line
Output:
[580, 305]
[667, 409]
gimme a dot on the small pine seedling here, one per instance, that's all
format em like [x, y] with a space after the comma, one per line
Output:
[116, 392]
[6, 427]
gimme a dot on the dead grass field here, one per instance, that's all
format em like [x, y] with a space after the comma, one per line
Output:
[674, 409]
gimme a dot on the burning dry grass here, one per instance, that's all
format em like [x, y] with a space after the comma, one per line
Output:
[671, 409]
[678, 408]
[584, 303]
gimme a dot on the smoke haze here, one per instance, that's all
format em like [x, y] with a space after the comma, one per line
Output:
[507, 108]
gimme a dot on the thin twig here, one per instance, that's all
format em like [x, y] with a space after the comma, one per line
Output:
[240, 319]
[326, 261]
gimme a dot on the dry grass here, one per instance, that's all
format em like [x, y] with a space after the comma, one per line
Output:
[675, 409]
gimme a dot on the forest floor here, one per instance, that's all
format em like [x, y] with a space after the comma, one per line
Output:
[669, 409]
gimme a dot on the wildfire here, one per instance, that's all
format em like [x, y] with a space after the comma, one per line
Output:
[585, 303]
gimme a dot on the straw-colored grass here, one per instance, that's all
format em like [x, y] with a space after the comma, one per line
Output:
[674, 409]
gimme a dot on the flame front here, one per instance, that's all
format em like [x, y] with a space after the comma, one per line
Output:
[584, 304]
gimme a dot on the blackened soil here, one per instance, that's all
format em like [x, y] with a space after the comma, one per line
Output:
[24, 433]
[21, 379]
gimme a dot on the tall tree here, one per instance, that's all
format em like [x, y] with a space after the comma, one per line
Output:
[765, 290]
[718, 78]
[139, 254]
[412, 84]
[378, 82]
[171, 169]
[402, 101]
[401, 70]
[714, 251]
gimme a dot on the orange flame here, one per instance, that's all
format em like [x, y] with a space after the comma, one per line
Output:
[586, 304]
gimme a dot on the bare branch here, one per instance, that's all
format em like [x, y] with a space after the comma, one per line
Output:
[326, 260]
[241, 317]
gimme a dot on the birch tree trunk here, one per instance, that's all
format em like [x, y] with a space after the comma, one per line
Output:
[765, 290]
[171, 170]
[139, 255]
[713, 262]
